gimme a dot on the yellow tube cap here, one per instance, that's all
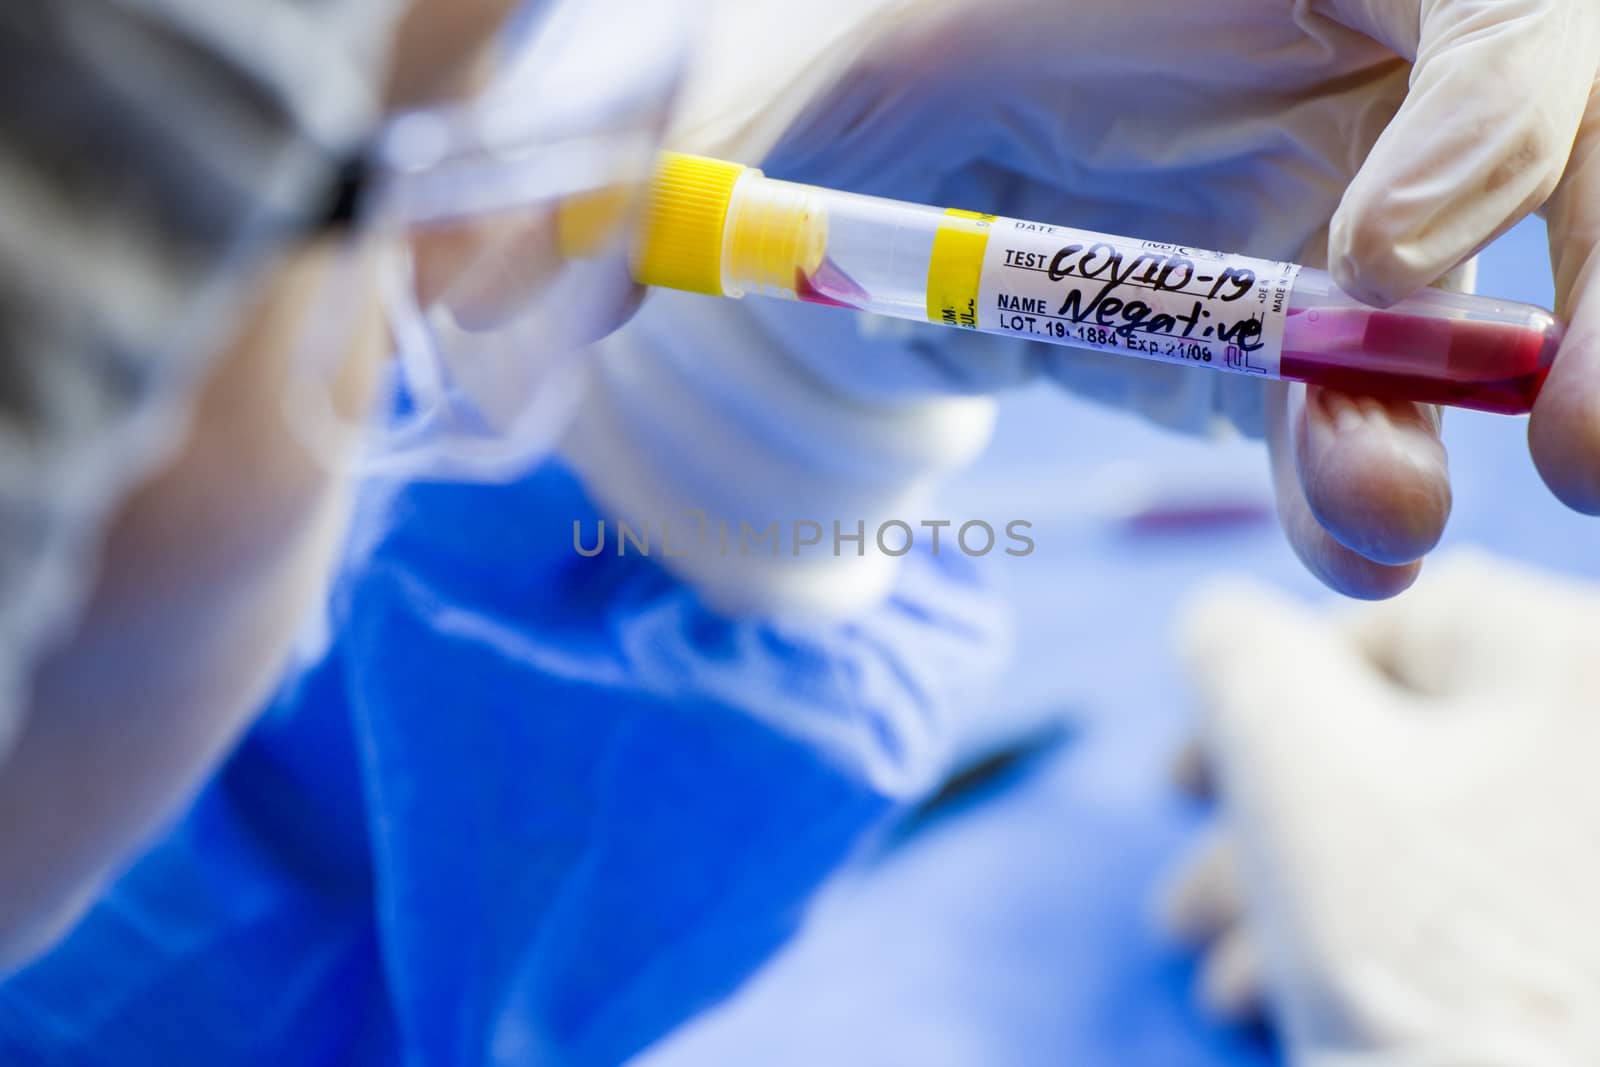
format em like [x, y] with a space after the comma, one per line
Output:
[680, 226]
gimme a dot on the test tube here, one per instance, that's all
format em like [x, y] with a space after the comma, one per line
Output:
[728, 230]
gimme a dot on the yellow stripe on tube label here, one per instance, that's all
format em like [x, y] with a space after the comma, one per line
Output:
[956, 268]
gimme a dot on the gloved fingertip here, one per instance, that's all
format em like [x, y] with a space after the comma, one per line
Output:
[1459, 164]
[1353, 575]
[1232, 980]
[1564, 432]
[1375, 474]
[1363, 261]
[1337, 566]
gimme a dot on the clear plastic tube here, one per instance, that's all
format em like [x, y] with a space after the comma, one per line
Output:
[1065, 286]
[1436, 346]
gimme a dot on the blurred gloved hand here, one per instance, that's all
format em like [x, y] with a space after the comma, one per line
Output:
[1391, 141]
[1412, 852]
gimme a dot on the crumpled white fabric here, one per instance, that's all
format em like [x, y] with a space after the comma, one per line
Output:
[1235, 125]
[1410, 856]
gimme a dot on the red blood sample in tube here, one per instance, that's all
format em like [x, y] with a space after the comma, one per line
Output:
[1490, 366]
[829, 286]
[1461, 362]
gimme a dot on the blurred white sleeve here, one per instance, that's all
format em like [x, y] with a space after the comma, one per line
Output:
[753, 413]
[699, 413]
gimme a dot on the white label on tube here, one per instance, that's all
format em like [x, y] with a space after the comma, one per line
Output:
[1138, 298]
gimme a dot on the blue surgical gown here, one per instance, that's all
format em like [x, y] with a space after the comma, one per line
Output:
[523, 807]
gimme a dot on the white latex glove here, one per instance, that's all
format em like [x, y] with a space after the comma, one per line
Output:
[1412, 856]
[1277, 129]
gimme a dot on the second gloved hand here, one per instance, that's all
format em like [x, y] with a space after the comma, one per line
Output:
[1411, 845]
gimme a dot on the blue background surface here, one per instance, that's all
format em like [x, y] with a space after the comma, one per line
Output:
[1018, 929]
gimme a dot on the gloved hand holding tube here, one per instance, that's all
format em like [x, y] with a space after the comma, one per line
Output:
[1368, 139]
